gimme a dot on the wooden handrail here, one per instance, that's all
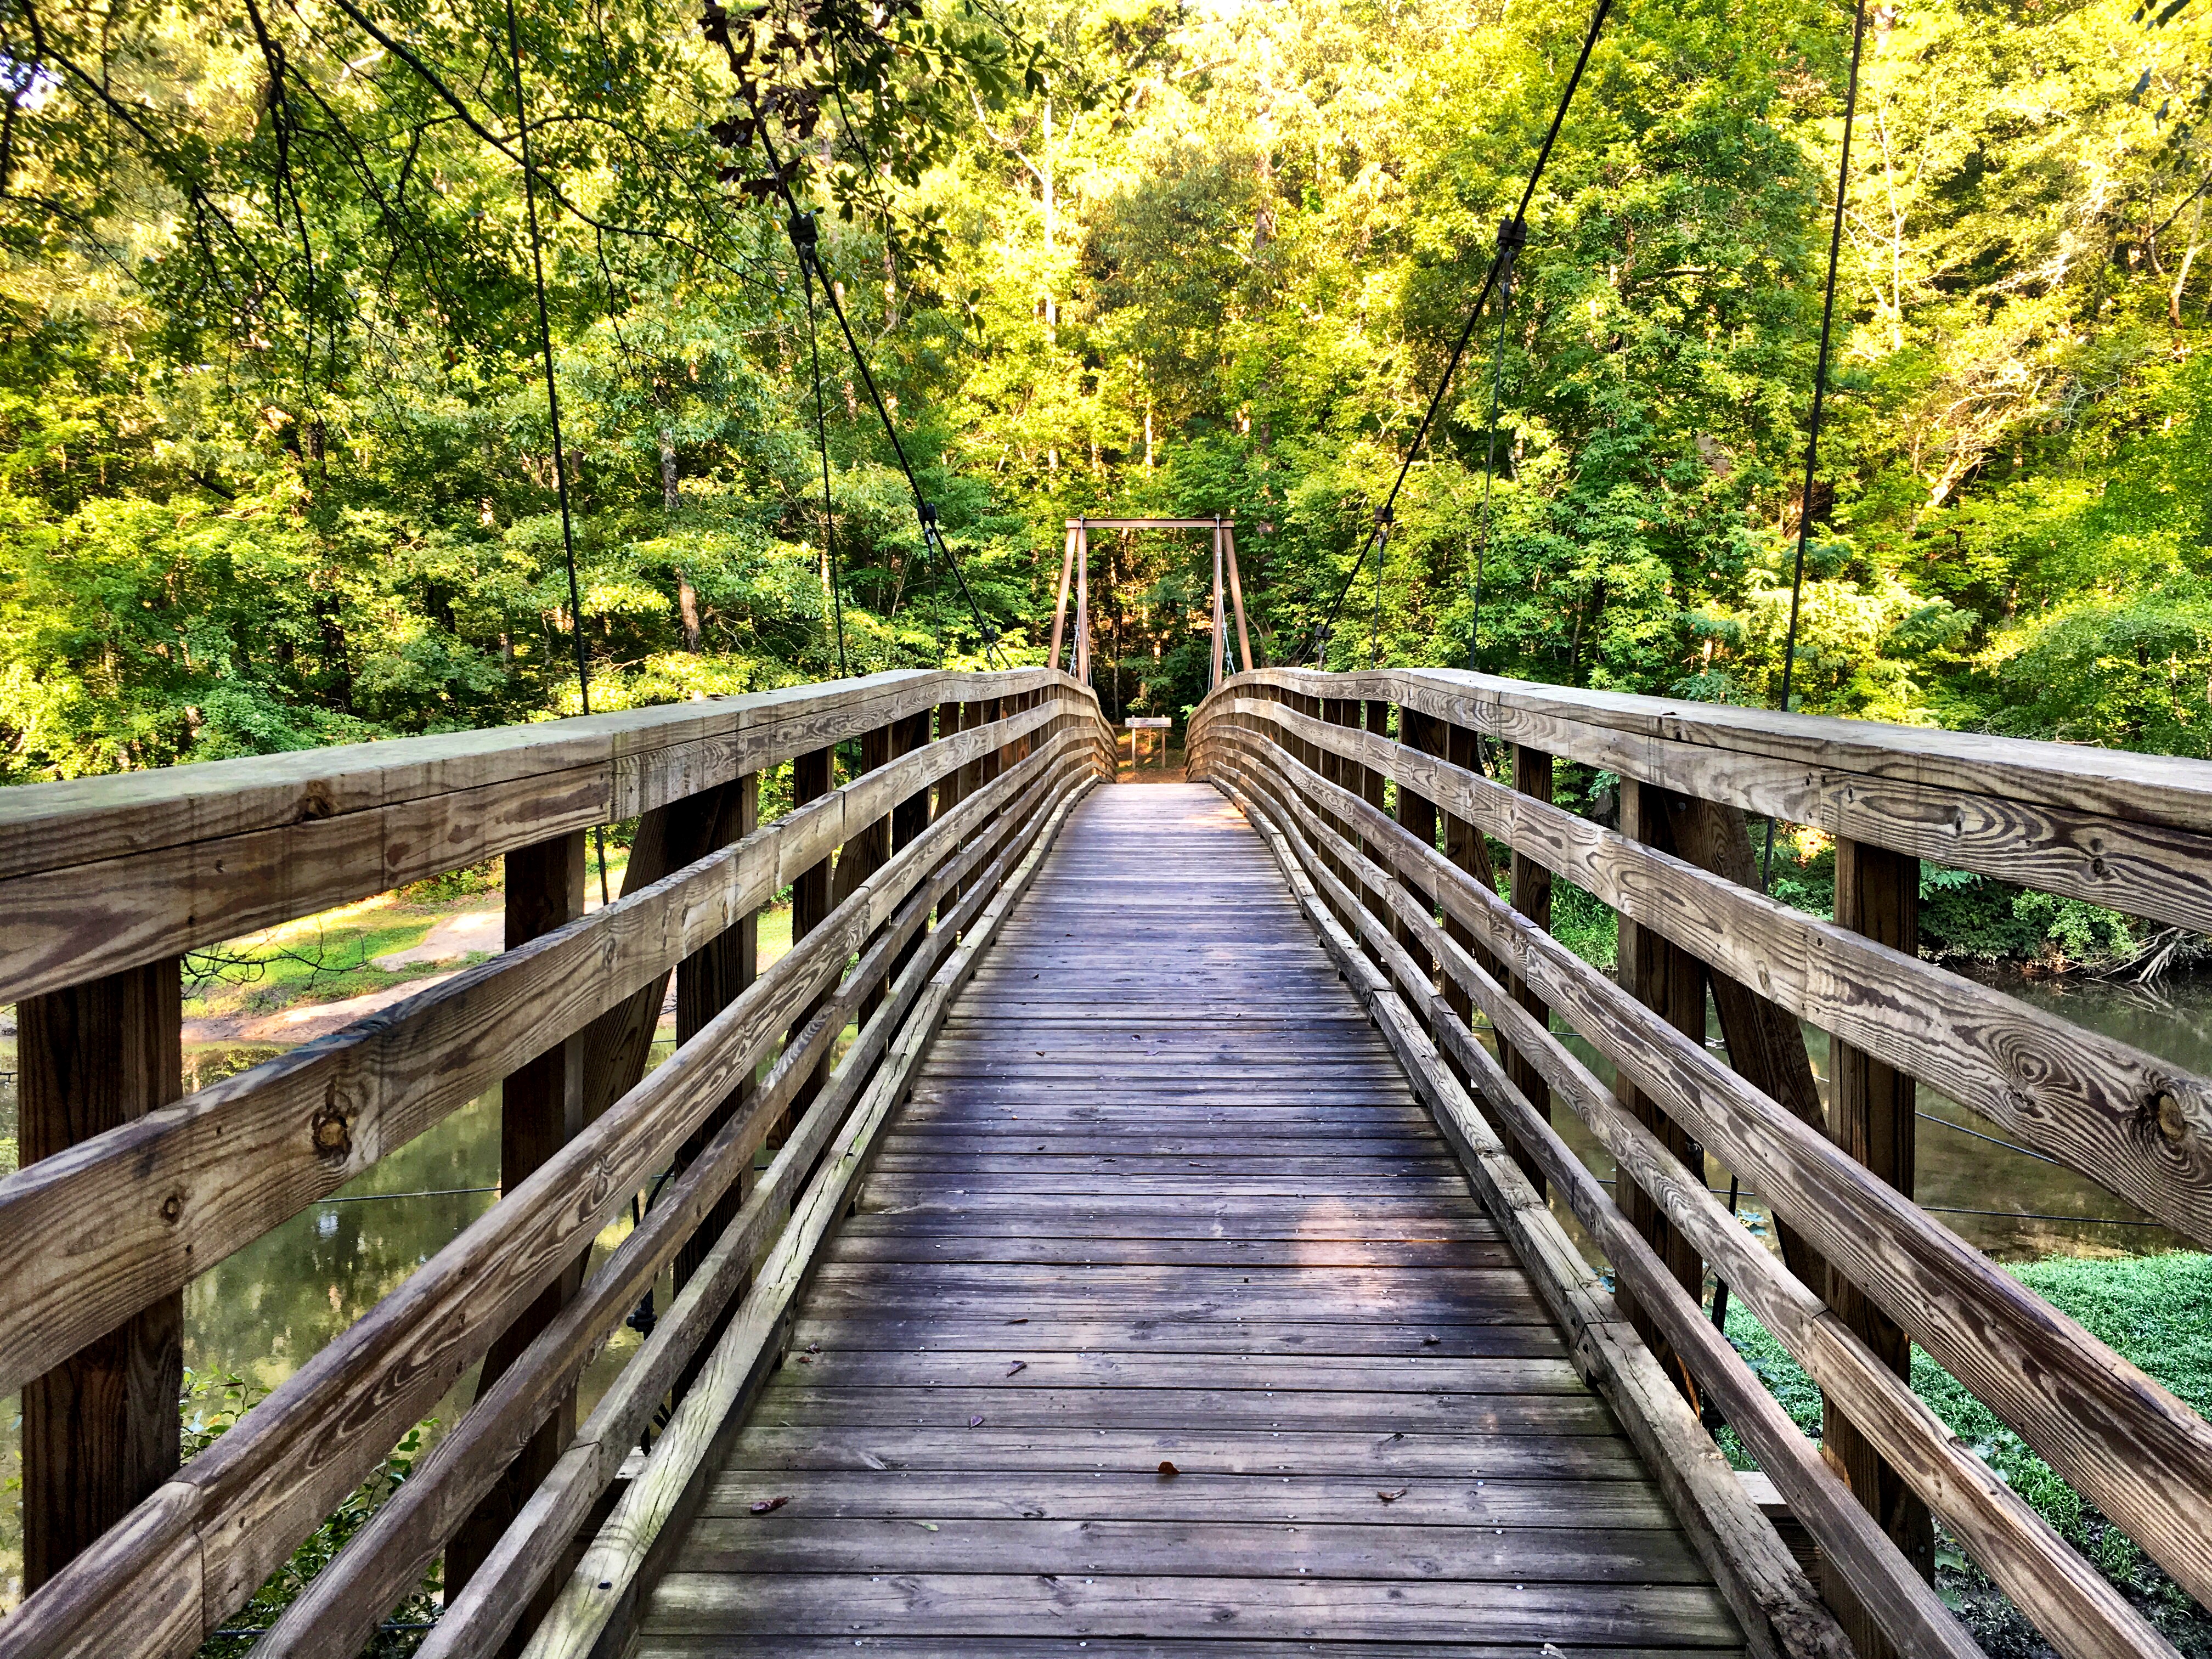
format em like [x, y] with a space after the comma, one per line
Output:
[126, 1216]
[1312, 783]
[100, 874]
[98, 1230]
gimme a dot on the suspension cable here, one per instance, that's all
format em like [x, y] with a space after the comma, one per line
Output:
[1820, 397]
[553, 406]
[1509, 251]
[1513, 233]
[1805, 506]
[822, 441]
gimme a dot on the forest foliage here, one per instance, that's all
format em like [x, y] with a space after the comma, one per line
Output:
[276, 465]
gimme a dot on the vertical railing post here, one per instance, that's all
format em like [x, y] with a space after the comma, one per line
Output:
[1670, 981]
[541, 1110]
[1531, 888]
[100, 1429]
[707, 981]
[1871, 1118]
[812, 776]
[1417, 813]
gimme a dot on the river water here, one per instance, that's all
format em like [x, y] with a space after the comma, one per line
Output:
[259, 1314]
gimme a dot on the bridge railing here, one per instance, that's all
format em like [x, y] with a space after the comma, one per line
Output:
[1411, 899]
[130, 1188]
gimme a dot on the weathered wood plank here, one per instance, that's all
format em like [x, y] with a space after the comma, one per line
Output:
[102, 873]
[1939, 1288]
[98, 1230]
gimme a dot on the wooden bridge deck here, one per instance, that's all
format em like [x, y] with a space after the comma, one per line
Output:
[1163, 1197]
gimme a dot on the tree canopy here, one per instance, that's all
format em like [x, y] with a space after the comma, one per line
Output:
[276, 465]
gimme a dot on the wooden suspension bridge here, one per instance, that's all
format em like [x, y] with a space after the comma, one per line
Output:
[1128, 1222]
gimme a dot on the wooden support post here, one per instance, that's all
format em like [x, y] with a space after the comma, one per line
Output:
[1531, 897]
[812, 776]
[949, 788]
[1373, 788]
[100, 1429]
[707, 981]
[1765, 1043]
[1877, 894]
[1671, 981]
[541, 1110]
[1059, 604]
[1417, 814]
[861, 857]
[1220, 631]
[1236, 597]
[1082, 603]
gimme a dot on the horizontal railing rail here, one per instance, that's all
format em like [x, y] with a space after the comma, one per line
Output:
[1412, 902]
[896, 874]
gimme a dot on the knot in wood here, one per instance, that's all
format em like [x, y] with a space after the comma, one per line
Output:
[173, 1206]
[2172, 1120]
[316, 803]
[332, 1134]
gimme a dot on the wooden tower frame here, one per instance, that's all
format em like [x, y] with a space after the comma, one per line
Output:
[1075, 570]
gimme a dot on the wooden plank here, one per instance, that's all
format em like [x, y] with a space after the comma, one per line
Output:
[541, 1110]
[2033, 1365]
[1877, 894]
[98, 1231]
[979, 1605]
[880, 1367]
[1055, 1646]
[1391, 1458]
[1337, 1547]
[99, 1429]
[2134, 1122]
[1612, 1505]
[797, 1404]
[1099, 1329]
[101, 873]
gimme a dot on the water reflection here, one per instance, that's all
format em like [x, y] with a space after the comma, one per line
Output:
[264, 1311]
[260, 1314]
[2001, 1198]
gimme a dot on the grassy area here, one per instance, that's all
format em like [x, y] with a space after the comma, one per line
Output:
[2155, 1311]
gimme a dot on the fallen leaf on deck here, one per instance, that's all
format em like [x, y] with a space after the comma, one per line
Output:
[926, 1526]
[872, 1461]
[1430, 1339]
[1167, 1468]
[1018, 1365]
[1018, 1321]
[1392, 1497]
[803, 1358]
[974, 1422]
[769, 1504]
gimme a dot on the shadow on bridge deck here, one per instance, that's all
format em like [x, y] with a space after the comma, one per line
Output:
[1163, 1199]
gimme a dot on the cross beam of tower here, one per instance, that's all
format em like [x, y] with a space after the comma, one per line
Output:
[1075, 571]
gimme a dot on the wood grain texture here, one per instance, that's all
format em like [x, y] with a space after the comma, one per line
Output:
[2069, 1599]
[601, 1584]
[102, 873]
[1772, 1600]
[101, 1427]
[2113, 1431]
[102, 1229]
[339, 1612]
[1251, 1329]
[2128, 1119]
[271, 1480]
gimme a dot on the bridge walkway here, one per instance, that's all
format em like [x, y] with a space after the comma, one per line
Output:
[1168, 1320]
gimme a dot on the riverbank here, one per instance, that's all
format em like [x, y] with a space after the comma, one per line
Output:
[2154, 1311]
